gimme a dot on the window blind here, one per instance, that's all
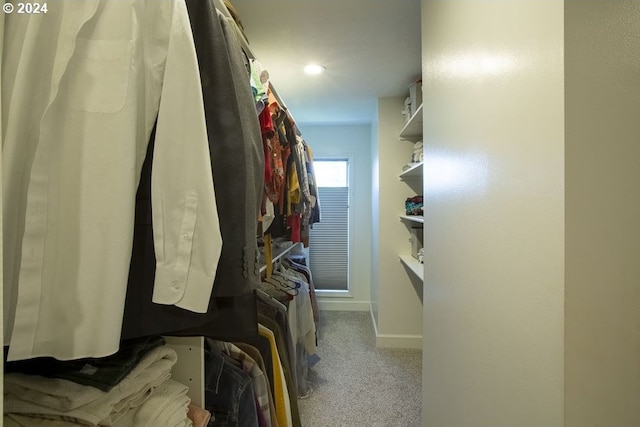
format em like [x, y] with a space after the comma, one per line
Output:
[329, 241]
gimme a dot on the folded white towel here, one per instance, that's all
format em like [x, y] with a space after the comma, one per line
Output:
[167, 406]
[48, 397]
[17, 420]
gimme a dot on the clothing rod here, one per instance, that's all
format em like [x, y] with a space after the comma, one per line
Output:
[281, 252]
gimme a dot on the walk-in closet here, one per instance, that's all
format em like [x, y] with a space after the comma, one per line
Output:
[302, 213]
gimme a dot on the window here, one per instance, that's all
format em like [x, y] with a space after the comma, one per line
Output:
[329, 239]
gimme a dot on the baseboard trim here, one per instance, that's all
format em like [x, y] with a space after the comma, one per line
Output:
[399, 341]
[394, 341]
[373, 320]
[382, 340]
[343, 305]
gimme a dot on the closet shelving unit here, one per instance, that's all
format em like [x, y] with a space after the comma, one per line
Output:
[412, 132]
[412, 174]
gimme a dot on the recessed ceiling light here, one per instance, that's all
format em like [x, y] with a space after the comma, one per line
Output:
[314, 69]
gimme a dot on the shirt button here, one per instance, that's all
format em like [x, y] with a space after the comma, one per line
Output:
[186, 236]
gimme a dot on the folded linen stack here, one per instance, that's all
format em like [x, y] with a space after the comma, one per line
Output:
[146, 396]
[418, 152]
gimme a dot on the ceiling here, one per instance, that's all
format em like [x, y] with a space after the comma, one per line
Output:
[370, 48]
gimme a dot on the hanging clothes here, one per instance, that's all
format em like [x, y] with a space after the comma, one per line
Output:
[229, 392]
[314, 214]
[284, 414]
[255, 354]
[81, 90]
[273, 185]
[258, 378]
[235, 142]
[227, 318]
[237, 163]
[306, 271]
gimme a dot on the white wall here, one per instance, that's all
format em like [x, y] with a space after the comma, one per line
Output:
[353, 142]
[602, 44]
[399, 307]
[494, 221]
[375, 220]
[1, 219]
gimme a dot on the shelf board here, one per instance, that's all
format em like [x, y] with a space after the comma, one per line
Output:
[414, 265]
[412, 131]
[413, 218]
[414, 171]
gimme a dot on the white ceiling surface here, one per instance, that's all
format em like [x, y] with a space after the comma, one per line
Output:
[370, 48]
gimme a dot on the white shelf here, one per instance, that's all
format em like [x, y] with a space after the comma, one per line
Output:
[412, 131]
[413, 218]
[414, 171]
[414, 265]
[412, 176]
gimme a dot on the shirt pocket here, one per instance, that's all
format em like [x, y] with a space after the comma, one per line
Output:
[98, 75]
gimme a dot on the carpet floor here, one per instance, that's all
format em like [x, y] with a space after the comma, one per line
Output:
[356, 384]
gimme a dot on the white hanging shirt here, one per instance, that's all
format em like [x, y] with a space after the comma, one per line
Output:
[82, 87]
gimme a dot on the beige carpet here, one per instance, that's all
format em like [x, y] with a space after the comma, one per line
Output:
[354, 384]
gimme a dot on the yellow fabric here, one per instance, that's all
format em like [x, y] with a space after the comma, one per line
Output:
[268, 255]
[294, 187]
[281, 394]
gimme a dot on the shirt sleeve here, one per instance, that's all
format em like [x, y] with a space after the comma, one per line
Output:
[186, 230]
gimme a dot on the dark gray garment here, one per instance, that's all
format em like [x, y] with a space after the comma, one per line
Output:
[235, 142]
[237, 163]
[227, 318]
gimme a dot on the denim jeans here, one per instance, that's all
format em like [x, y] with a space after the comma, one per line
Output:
[229, 393]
